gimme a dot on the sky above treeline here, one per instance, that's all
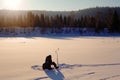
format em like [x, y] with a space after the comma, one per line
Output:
[56, 5]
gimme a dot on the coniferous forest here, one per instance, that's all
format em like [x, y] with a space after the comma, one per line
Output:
[58, 22]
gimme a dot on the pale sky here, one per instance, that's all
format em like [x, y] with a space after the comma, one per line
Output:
[56, 5]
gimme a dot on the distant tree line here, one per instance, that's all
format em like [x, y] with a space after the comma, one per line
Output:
[99, 22]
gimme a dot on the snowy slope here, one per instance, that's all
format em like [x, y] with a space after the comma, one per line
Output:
[84, 58]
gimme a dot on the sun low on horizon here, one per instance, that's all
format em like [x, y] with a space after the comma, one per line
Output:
[12, 4]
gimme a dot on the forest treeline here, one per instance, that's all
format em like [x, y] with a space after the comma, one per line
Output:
[99, 22]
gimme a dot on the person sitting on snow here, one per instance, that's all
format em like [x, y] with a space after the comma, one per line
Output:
[48, 63]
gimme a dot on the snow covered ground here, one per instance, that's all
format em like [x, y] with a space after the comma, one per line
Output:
[81, 58]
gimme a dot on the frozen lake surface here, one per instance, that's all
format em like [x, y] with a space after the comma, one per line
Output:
[83, 58]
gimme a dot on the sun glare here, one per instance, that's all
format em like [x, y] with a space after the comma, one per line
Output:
[12, 4]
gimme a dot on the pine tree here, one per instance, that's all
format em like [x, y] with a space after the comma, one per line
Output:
[115, 24]
[30, 19]
[37, 21]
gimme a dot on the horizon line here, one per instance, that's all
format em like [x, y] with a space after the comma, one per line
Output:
[60, 10]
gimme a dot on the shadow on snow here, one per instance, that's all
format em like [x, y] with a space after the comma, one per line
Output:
[52, 74]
